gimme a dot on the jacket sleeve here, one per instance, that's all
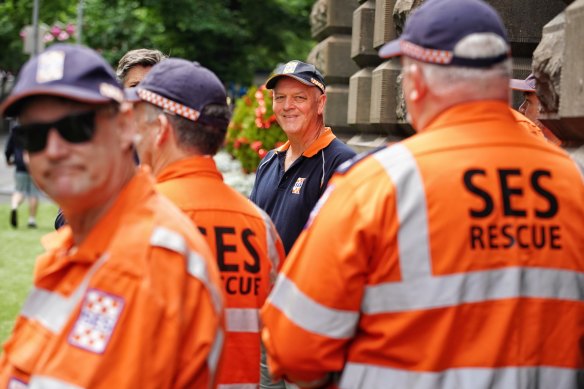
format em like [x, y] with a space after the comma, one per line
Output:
[313, 312]
[202, 339]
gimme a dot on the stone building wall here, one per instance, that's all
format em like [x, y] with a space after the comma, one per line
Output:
[365, 104]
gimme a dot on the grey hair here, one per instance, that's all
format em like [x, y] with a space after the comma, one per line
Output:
[478, 45]
[138, 57]
[206, 139]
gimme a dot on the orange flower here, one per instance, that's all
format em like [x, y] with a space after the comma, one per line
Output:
[255, 146]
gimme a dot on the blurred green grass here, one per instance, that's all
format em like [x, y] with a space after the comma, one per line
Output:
[18, 249]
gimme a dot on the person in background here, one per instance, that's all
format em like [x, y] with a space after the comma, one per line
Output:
[531, 106]
[25, 187]
[182, 117]
[132, 68]
[453, 259]
[127, 293]
[135, 64]
[290, 179]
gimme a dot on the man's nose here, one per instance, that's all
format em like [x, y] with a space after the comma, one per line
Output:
[56, 146]
[288, 103]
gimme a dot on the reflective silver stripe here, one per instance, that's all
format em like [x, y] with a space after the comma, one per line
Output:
[242, 320]
[271, 237]
[238, 386]
[413, 238]
[53, 310]
[309, 314]
[42, 382]
[196, 265]
[50, 309]
[358, 375]
[163, 237]
[215, 352]
[455, 289]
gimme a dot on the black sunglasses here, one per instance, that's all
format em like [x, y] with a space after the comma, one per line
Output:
[78, 128]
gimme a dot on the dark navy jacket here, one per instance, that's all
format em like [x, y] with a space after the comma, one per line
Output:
[288, 197]
[14, 153]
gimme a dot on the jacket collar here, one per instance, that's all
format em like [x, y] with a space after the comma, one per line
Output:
[195, 165]
[324, 139]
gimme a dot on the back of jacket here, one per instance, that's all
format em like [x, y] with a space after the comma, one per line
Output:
[453, 259]
[248, 252]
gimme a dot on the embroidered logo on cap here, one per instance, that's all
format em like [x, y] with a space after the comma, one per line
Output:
[97, 320]
[298, 185]
[317, 83]
[50, 66]
[290, 67]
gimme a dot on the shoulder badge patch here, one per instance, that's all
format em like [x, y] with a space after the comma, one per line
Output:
[97, 320]
[298, 185]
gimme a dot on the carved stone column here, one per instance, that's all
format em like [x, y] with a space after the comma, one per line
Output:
[559, 71]
[331, 24]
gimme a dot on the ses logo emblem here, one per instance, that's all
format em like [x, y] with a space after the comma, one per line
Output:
[298, 185]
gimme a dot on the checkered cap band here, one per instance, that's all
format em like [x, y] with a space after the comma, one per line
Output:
[169, 105]
[420, 53]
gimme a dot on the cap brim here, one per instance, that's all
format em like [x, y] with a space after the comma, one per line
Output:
[271, 83]
[131, 95]
[520, 85]
[391, 49]
[11, 105]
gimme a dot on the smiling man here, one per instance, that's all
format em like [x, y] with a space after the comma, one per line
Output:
[126, 295]
[291, 179]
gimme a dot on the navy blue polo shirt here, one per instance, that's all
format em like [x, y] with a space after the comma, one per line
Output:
[289, 196]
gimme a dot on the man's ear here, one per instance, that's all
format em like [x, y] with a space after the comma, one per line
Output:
[127, 126]
[164, 130]
[321, 101]
[419, 86]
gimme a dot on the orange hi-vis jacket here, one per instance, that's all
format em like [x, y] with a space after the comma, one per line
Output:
[136, 305]
[527, 124]
[248, 251]
[454, 259]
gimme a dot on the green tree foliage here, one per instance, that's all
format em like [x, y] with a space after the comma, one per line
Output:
[253, 130]
[14, 15]
[235, 38]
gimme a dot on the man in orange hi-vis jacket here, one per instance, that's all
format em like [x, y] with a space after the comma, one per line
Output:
[127, 294]
[182, 115]
[454, 259]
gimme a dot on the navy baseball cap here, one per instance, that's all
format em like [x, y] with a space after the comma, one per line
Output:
[306, 73]
[433, 30]
[182, 87]
[527, 85]
[70, 71]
